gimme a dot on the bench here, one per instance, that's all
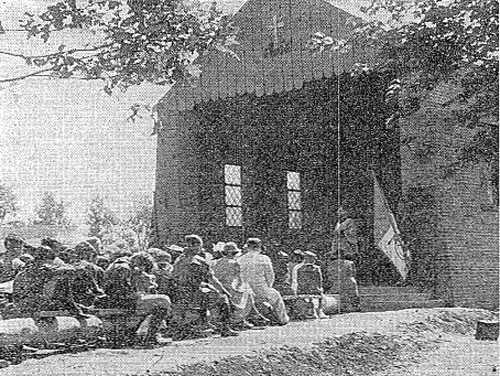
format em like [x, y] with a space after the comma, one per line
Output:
[104, 313]
[330, 303]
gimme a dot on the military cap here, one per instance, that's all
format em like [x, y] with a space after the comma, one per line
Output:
[252, 242]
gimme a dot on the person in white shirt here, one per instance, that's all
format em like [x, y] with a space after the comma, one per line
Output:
[257, 271]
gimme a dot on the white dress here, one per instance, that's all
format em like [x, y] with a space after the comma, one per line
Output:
[257, 271]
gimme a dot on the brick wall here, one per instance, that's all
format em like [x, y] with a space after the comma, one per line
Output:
[267, 136]
[464, 231]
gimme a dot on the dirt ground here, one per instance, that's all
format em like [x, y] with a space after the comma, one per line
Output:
[457, 356]
[407, 342]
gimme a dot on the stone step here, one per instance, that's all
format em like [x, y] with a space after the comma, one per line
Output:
[396, 297]
[388, 289]
[381, 306]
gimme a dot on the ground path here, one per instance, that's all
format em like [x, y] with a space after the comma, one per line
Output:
[168, 358]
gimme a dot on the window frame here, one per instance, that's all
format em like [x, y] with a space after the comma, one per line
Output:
[229, 183]
[295, 207]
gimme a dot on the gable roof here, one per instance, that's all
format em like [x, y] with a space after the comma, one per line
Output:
[264, 66]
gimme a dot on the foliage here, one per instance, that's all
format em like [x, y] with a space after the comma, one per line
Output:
[8, 203]
[130, 233]
[152, 41]
[100, 218]
[139, 222]
[425, 42]
[51, 211]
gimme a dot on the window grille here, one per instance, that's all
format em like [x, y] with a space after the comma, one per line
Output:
[232, 181]
[294, 200]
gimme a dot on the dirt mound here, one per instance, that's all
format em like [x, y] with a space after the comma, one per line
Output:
[357, 353]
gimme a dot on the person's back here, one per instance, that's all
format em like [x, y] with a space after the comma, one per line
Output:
[87, 284]
[118, 285]
[227, 271]
[28, 289]
[256, 270]
[42, 285]
[309, 280]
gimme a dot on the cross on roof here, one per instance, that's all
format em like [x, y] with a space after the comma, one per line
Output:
[275, 25]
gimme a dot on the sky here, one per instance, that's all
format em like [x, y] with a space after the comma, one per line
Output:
[68, 136]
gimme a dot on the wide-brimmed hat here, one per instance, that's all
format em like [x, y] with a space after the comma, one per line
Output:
[230, 248]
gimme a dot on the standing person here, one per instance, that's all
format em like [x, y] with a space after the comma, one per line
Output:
[14, 245]
[341, 273]
[198, 290]
[345, 238]
[257, 272]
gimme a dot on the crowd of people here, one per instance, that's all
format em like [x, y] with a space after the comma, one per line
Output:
[180, 291]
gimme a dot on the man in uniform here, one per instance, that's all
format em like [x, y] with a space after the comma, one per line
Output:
[345, 238]
[198, 290]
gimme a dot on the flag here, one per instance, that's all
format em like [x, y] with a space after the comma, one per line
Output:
[386, 233]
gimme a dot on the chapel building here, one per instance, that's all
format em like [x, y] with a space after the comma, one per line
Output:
[271, 143]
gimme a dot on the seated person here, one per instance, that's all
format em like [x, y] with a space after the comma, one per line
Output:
[341, 273]
[199, 291]
[14, 248]
[142, 277]
[61, 251]
[307, 279]
[89, 276]
[126, 286]
[257, 272]
[282, 281]
[228, 272]
[44, 286]
[163, 271]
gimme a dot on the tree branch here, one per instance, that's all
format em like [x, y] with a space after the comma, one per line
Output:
[33, 74]
[72, 51]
